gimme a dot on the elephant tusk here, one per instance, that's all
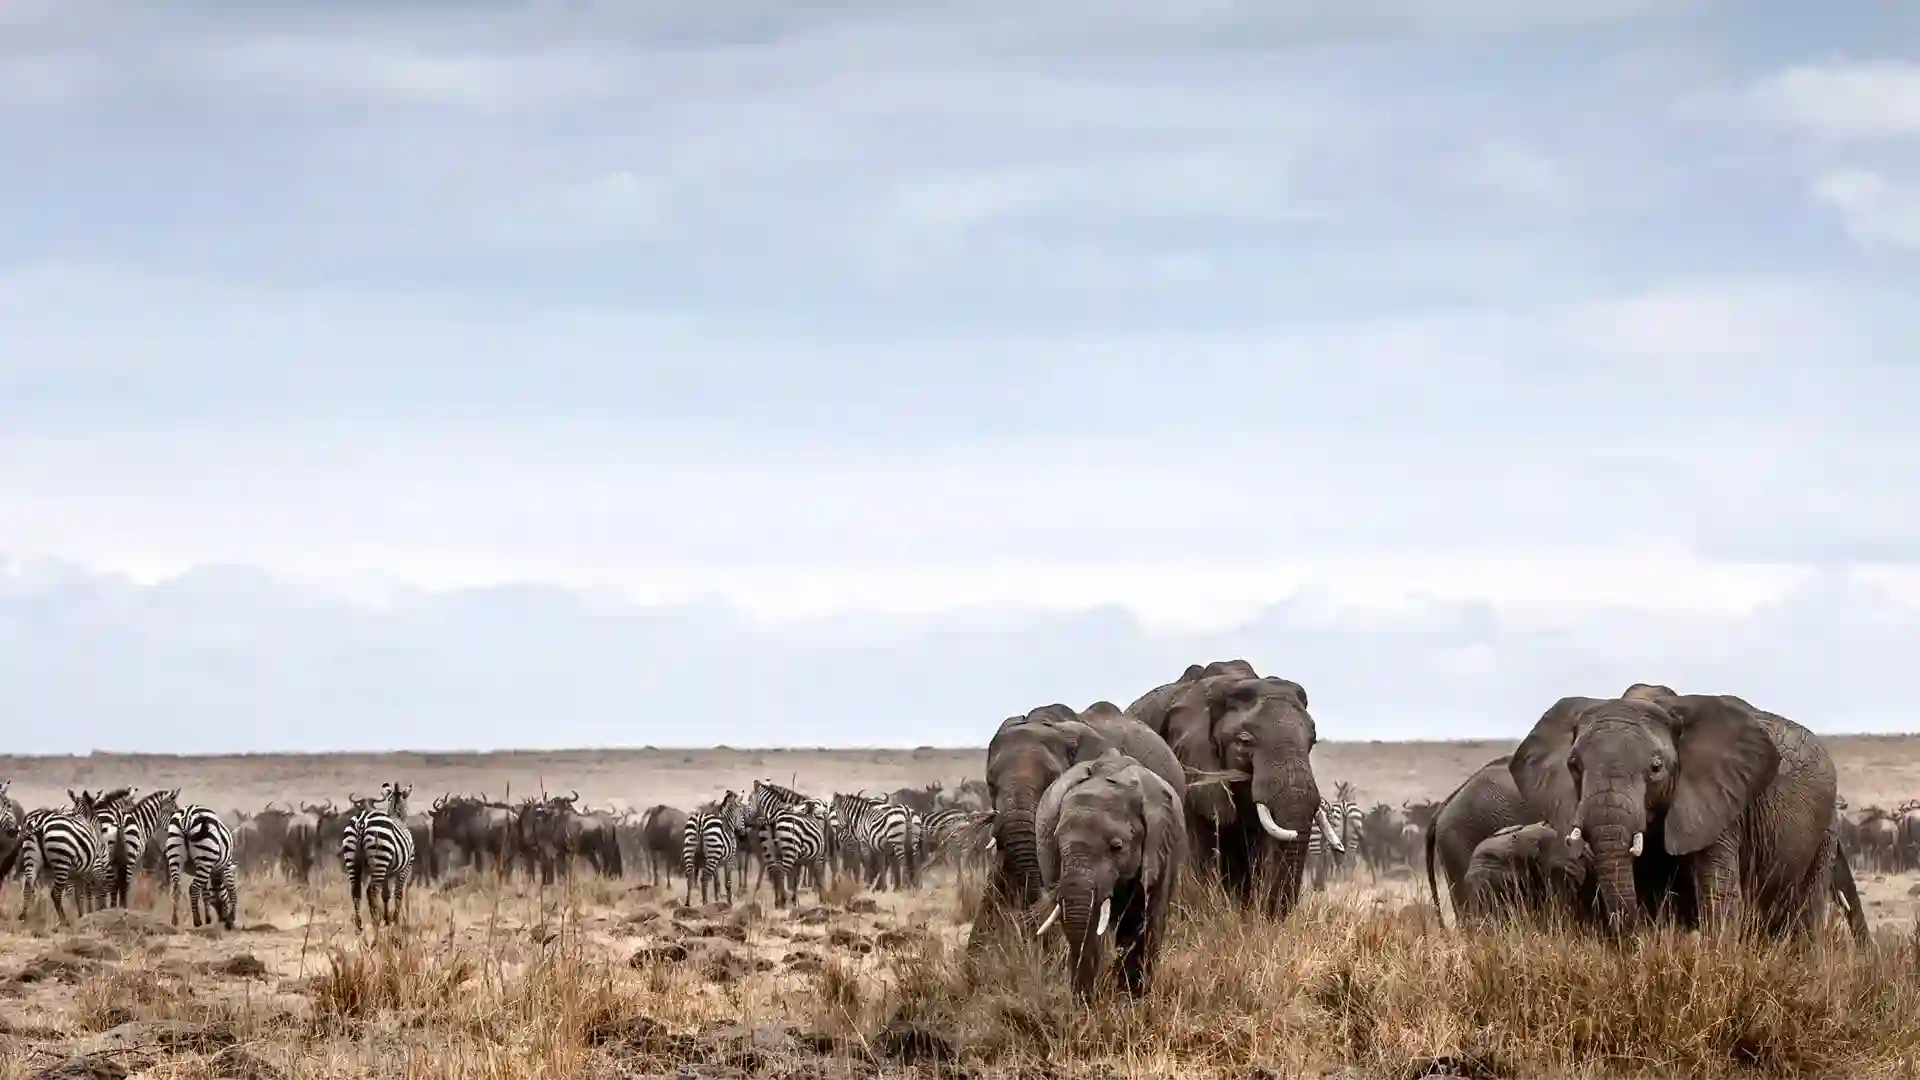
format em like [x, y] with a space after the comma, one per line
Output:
[1273, 827]
[1573, 838]
[1327, 831]
[1106, 911]
[1051, 915]
[991, 841]
[1639, 844]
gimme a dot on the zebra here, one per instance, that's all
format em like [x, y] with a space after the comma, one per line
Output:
[118, 856]
[152, 813]
[766, 799]
[1338, 827]
[798, 834]
[881, 832]
[707, 850]
[64, 845]
[200, 844]
[952, 832]
[376, 850]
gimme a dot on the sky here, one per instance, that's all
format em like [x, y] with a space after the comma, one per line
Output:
[569, 373]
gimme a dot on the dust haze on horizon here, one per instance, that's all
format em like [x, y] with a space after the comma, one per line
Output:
[542, 375]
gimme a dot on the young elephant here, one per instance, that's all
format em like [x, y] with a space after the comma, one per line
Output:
[1524, 870]
[1112, 841]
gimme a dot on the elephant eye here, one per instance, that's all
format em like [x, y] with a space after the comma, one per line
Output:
[1245, 737]
[1116, 843]
[1658, 764]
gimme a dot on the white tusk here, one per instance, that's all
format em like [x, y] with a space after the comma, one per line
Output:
[1574, 836]
[1051, 915]
[1106, 910]
[1326, 830]
[1639, 843]
[1273, 827]
[991, 840]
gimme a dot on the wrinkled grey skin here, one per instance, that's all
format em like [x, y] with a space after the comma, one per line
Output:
[1731, 806]
[1524, 871]
[1027, 755]
[1225, 717]
[1112, 834]
[1481, 806]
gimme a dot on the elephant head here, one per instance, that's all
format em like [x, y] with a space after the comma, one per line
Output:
[1240, 723]
[1521, 866]
[1026, 755]
[1111, 839]
[1610, 771]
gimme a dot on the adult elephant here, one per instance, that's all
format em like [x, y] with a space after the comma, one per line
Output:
[1226, 720]
[1484, 803]
[1702, 799]
[1027, 755]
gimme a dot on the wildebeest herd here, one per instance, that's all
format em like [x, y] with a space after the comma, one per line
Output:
[1610, 814]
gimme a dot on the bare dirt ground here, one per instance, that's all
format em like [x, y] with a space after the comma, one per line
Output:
[600, 978]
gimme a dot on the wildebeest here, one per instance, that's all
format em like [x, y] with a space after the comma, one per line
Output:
[662, 831]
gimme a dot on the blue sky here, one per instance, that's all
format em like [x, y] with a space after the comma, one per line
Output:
[572, 373]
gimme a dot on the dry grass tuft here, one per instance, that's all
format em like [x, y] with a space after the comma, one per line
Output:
[568, 983]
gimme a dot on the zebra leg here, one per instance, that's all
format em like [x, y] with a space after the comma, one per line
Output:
[229, 896]
[53, 890]
[354, 883]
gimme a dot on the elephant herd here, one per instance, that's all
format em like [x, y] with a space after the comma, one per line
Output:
[1701, 809]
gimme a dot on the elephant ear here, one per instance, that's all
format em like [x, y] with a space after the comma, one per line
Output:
[1163, 846]
[1046, 817]
[1189, 734]
[1539, 764]
[1726, 761]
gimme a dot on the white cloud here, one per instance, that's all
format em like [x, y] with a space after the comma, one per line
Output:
[259, 664]
[1875, 210]
[1849, 100]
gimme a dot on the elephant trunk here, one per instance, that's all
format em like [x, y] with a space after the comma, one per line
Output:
[1286, 796]
[1018, 842]
[1086, 914]
[1612, 825]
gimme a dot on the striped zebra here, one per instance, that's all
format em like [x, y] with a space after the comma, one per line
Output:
[151, 814]
[1338, 829]
[766, 799]
[63, 847]
[951, 833]
[707, 850]
[798, 835]
[881, 832]
[200, 845]
[376, 850]
[121, 842]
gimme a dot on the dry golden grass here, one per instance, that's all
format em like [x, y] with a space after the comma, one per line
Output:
[601, 979]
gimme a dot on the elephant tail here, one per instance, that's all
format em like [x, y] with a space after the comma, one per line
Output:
[1433, 883]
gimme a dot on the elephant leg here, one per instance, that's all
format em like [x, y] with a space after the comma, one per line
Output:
[1716, 879]
[1134, 933]
[1284, 862]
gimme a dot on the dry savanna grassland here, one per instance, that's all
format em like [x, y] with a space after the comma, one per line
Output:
[598, 977]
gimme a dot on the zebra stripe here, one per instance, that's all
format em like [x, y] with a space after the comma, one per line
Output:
[799, 839]
[199, 844]
[153, 813]
[376, 850]
[707, 851]
[766, 799]
[121, 842]
[880, 831]
[64, 847]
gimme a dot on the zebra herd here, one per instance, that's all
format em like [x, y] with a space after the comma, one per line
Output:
[89, 851]
[796, 835]
[1384, 838]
